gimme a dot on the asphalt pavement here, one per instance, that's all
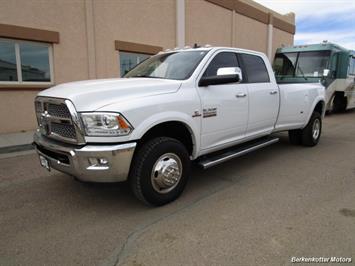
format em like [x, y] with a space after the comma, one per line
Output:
[265, 208]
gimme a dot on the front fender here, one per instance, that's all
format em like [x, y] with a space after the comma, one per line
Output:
[170, 116]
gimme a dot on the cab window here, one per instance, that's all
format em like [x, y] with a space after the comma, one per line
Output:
[223, 59]
[255, 69]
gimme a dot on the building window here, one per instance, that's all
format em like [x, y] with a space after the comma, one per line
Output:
[8, 71]
[130, 60]
[25, 62]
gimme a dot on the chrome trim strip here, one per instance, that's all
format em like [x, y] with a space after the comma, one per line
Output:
[104, 148]
[79, 129]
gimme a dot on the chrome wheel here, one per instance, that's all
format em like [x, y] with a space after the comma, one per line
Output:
[316, 129]
[166, 173]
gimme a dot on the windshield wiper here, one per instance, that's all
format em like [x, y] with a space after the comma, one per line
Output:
[141, 76]
[145, 76]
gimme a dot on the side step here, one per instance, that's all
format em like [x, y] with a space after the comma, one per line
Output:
[238, 151]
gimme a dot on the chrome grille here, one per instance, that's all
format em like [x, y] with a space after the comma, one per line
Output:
[58, 110]
[67, 131]
[58, 119]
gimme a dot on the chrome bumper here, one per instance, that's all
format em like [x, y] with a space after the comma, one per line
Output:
[83, 161]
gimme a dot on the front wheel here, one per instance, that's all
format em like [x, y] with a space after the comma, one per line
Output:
[160, 171]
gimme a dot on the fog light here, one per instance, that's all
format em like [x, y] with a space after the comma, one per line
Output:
[98, 161]
[103, 161]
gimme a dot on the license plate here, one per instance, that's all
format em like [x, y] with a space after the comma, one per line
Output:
[44, 163]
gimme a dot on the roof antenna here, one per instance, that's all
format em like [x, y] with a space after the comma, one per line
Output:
[196, 46]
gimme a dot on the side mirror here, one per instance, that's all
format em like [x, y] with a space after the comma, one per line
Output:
[224, 75]
[326, 72]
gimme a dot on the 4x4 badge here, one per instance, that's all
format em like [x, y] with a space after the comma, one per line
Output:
[196, 114]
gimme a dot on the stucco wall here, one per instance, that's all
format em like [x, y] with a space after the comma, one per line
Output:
[69, 56]
[66, 17]
[281, 38]
[17, 110]
[148, 22]
[207, 23]
[250, 34]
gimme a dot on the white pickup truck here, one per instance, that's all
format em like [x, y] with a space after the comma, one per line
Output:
[206, 105]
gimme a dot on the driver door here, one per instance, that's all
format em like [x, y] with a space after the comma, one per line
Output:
[225, 106]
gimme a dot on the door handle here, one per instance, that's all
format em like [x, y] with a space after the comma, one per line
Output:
[273, 92]
[241, 95]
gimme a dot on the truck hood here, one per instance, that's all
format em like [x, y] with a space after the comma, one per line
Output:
[91, 95]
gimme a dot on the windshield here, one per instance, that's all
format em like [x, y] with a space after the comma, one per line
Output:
[176, 65]
[301, 64]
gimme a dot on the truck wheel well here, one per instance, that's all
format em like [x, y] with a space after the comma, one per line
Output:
[173, 129]
[319, 107]
[339, 94]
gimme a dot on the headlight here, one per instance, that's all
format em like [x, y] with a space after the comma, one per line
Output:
[105, 124]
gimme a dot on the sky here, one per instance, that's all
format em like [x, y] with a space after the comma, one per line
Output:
[318, 20]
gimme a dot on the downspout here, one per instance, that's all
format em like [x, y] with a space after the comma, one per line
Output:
[270, 28]
[90, 38]
[180, 23]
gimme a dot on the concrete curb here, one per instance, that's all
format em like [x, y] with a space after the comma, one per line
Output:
[16, 142]
[16, 148]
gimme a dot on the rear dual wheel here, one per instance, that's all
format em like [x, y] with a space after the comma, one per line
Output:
[339, 103]
[310, 135]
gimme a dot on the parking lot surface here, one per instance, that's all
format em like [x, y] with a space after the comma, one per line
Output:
[262, 209]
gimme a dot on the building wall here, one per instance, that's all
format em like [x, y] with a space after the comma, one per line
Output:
[147, 22]
[69, 56]
[88, 30]
[202, 28]
[280, 38]
[257, 40]
[66, 17]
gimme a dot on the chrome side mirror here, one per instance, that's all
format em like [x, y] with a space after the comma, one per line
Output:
[326, 72]
[224, 75]
[225, 71]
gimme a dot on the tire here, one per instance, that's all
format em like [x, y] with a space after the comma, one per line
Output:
[295, 136]
[312, 132]
[339, 103]
[164, 184]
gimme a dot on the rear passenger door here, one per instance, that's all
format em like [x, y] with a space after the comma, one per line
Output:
[263, 96]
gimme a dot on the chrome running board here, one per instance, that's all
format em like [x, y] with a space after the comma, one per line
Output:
[213, 160]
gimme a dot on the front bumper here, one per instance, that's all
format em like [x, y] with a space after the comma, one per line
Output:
[79, 161]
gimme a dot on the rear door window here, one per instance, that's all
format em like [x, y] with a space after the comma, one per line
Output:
[254, 69]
